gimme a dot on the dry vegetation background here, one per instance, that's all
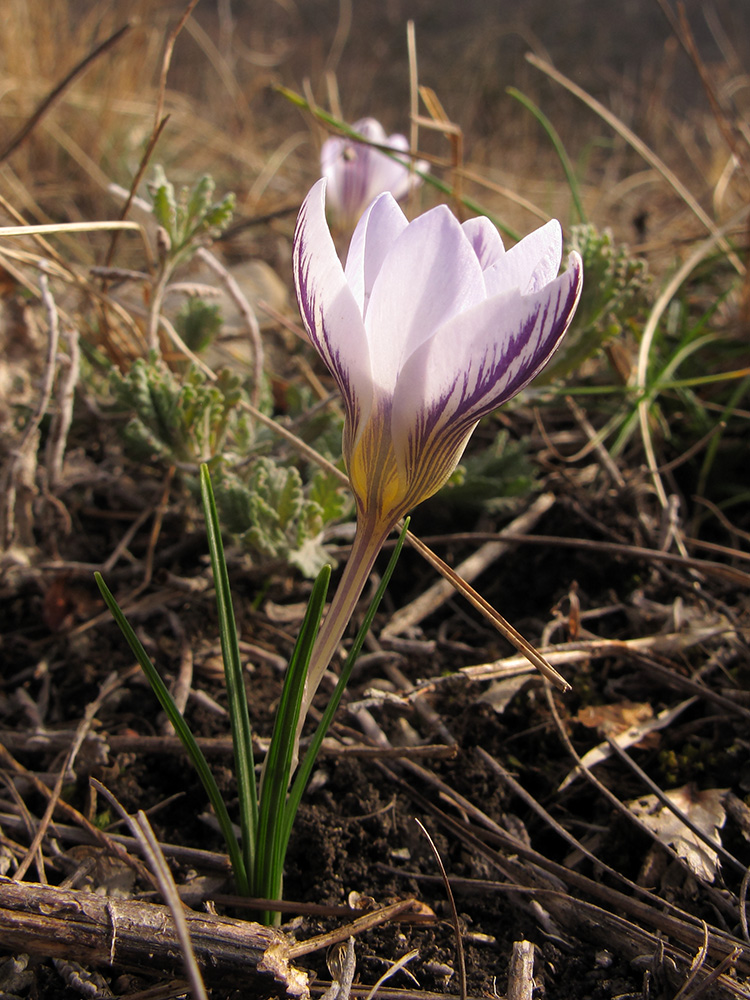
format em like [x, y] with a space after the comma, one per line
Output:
[636, 460]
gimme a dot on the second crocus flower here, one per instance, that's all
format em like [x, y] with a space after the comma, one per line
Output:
[357, 173]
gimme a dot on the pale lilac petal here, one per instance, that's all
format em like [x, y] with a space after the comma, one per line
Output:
[329, 310]
[357, 172]
[476, 361]
[349, 182]
[371, 129]
[387, 174]
[376, 232]
[530, 264]
[430, 274]
[485, 239]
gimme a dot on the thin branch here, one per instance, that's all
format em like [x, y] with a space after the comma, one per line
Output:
[57, 92]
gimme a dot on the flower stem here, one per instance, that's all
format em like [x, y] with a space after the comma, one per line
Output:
[368, 541]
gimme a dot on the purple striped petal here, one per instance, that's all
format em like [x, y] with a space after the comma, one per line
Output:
[328, 308]
[475, 362]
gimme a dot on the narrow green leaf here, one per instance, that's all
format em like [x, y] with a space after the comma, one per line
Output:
[182, 729]
[556, 141]
[237, 696]
[271, 840]
[305, 769]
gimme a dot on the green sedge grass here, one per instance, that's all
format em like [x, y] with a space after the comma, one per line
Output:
[267, 809]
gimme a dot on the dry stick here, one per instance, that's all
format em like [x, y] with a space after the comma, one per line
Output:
[161, 510]
[364, 923]
[66, 272]
[440, 122]
[436, 595]
[399, 966]
[193, 857]
[743, 905]
[521, 971]
[62, 420]
[21, 468]
[67, 227]
[48, 249]
[343, 29]
[732, 529]
[411, 45]
[694, 448]
[454, 912]
[168, 49]
[99, 836]
[681, 27]
[595, 442]
[142, 166]
[110, 684]
[152, 853]
[504, 192]
[134, 527]
[184, 680]
[708, 568]
[248, 316]
[59, 90]
[217, 746]
[106, 931]
[648, 154]
[560, 830]
[27, 823]
[696, 966]
[504, 627]
[159, 124]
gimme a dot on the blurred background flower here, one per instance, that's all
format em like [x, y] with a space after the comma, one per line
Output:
[357, 172]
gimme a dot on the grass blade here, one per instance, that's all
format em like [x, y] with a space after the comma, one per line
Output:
[275, 782]
[244, 764]
[556, 141]
[182, 729]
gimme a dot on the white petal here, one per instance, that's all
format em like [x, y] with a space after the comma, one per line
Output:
[430, 274]
[530, 264]
[387, 174]
[485, 239]
[376, 232]
[328, 308]
[478, 360]
[371, 129]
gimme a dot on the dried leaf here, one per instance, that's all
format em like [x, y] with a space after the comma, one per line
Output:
[628, 738]
[501, 693]
[614, 719]
[704, 810]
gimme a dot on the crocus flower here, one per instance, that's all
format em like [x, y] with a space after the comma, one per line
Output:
[430, 325]
[357, 173]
